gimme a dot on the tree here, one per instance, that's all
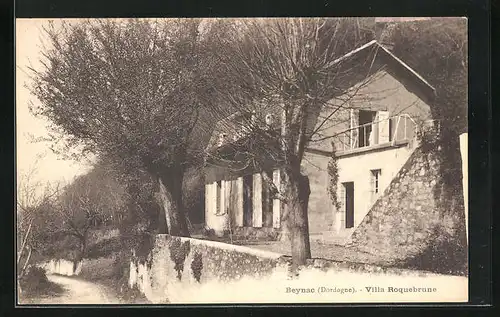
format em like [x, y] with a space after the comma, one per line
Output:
[131, 91]
[437, 49]
[91, 201]
[33, 206]
[293, 63]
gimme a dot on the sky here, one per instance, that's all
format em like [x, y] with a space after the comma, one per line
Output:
[49, 167]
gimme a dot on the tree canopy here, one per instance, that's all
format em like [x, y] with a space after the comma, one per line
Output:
[131, 90]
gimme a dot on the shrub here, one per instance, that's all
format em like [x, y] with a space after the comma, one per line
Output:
[35, 280]
[446, 254]
[104, 248]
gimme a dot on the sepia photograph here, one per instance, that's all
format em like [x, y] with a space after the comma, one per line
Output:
[241, 160]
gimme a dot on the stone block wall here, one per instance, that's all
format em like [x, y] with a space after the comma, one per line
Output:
[61, 267]
[177, 267]
[185, 270]
[411, 223]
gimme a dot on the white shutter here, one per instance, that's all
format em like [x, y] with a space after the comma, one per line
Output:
[375, 130]
[257, 200]
[277, 202]
[383, 127]
[354, 123]
[239, 201]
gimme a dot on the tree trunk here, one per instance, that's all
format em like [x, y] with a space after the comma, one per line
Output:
[267, 203]
[26, 262]
[171, 199]
[25, 239]
[296, 222]
[81, 254]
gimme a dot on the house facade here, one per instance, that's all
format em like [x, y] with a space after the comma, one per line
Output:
[372, 130]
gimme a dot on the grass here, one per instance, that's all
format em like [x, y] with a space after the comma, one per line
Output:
[48, 289]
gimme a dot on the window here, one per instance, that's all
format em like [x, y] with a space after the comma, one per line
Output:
[366, 121]
[375, 180]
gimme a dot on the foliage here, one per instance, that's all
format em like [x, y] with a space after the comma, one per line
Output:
[129, 90]
[92, 200]
[34, 221]
[197, 266]
[437, 49]
[35, 283]
[178, 252]
[34, 279]
[333, 176]
[104, 248]
[444, 255]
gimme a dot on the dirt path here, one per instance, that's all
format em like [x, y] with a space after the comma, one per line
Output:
[78, 291]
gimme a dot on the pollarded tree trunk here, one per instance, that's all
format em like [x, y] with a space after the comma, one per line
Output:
[171, 199]
[296, 222]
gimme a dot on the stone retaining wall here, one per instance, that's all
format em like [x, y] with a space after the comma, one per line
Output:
[184, 270]
[411, 218]
[61, 267]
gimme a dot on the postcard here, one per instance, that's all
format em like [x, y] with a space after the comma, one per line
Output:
[242, 160]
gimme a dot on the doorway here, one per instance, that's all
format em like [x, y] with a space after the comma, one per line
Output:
[349, 204]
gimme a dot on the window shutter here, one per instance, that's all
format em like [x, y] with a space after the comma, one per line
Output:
[383, 127]
[375, 130]
[354, 122]
[372, 182]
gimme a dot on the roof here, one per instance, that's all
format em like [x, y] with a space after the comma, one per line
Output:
[378, 47]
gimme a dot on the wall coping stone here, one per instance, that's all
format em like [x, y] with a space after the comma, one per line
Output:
[229, 247]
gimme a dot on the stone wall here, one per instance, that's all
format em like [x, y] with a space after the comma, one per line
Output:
[412, 224]
[184, 270]
[61, 267]
[176, 267]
